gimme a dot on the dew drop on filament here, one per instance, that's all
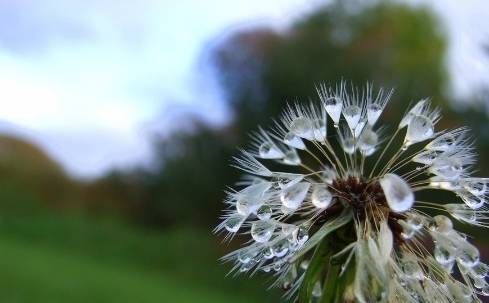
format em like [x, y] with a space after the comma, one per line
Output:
[269, 150]
[264, 212]
[352, 115]
[262, 231]
[316, 290]
[268, 253]
[468, 255]
[301, 235]
[443, 254]
[293, 196]
[291, 158]
[302, 127]
[319, 129]
[281, 248]
[333, 107]
[420, 128]
[442, 224]
[398, 194]
[373, 113]
[348, 145]
[321, 197]
[233, 223]
[293, 140]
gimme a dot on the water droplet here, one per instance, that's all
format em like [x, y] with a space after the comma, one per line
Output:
[245, 256]
[480, 269]
[359, 128]
[442, 224]
[440, 182]
[294, 141]
[294, 246]
[333, 107]
[444, 254]
[329, 175]
[479, 282]
[247, 266]
[348, 145]
[448, 266]
[269, 150]
[281, 248]
[397, 192]
[426, 157]
[304, 264]
[468, 255]
[256, 190]
[415, 221]
[416, 110]
[288, 182]
[464, 290]
[291, 158]
[442, 143]
[407, 230]
[268, 253]
[320, 129]
[462, 212]
[293, 196]
[257, 258]
[264, 212]
[244, 206]
[352, 115]
[485, 290]
[266, 269]
[285, 210]
[373, 113]
[287, 229]
[368, 141]
[233, 222]
[301, 235]
[411, 268]
[420, 128]
[316, 290]
[262, 231]
[321, 197]
[473, 202]
[475, 186]
[447, 168]
[277, 266]
[302, 127]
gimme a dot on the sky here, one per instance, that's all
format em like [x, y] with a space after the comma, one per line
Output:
[90, 81]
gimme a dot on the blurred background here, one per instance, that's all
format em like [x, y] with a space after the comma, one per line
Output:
[118, 120]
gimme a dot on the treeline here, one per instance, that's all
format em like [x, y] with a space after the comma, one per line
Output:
[259, 70]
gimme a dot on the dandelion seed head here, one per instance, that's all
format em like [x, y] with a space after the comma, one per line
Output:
[327, 195]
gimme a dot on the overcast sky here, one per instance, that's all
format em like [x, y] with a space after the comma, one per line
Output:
[88, 80]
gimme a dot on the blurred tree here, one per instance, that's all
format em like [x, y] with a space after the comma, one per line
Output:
[27, 170]
[390, 44]
[182, 186]
[260, 69]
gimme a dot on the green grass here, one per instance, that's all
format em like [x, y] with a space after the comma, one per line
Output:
[50, 258]
[30, 274]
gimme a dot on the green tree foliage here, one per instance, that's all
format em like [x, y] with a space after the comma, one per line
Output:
[181, 188]
[390, 44]
[259, 70]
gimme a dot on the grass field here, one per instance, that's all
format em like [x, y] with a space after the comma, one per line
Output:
[49, 258]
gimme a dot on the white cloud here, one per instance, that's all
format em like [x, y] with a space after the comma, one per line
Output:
[84, 78]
